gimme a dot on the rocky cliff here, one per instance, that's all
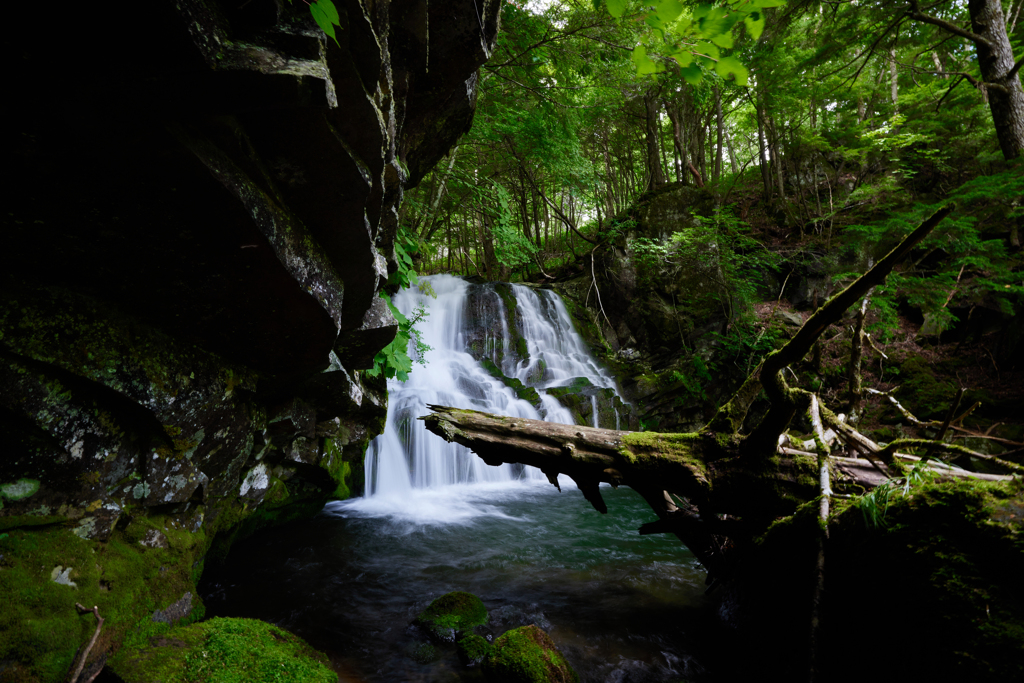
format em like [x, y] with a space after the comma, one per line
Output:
[200, 212]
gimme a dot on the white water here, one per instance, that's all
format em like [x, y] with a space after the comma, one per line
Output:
[410, 472]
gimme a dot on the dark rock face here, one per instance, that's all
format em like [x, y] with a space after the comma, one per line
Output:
[199, 217]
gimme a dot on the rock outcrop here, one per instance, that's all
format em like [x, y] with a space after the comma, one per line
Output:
[199, 216]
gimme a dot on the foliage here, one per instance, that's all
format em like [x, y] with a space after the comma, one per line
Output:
[326, 16]
[394, 361]
[874, 504]
[695, 37]
[961, 265]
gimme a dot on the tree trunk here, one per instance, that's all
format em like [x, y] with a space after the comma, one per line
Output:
[1000, 76]
[651, 128]
[721, 130]
[995, 57]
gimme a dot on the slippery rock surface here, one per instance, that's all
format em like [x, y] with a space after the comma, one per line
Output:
[199, 219]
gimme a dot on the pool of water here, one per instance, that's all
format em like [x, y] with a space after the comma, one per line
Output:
[620, 606]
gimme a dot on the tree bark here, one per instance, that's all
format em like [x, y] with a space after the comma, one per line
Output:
[995, 57]
[1000, 74]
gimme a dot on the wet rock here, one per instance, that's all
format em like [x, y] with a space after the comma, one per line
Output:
[527, 655]
[452, 613]
[522, 391]
[581, 396]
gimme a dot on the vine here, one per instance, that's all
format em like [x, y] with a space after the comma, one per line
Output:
[394, 361]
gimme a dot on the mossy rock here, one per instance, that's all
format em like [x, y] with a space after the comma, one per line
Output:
[453, 613]
[46, 569]
[527, 655]
[473, 649]
[522, 391]
[224, 650]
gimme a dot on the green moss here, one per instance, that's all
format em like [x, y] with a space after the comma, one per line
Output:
[642, 447]
[338, 468]
[452, 613]
[527, 655]
[524, 392]
[957, 549]
[41, 630]
[224, 650]
[929, 395]
[473, 649]
[15, 521]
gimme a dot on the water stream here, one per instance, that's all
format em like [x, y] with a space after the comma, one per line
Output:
[621, 607]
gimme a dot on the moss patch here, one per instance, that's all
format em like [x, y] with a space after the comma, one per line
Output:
[40, 629]
[522, 391]
[527, 655]
[643, 448]
[473, 649]
[225, 650]
[453, 613]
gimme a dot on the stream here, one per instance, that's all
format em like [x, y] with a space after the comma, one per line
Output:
[620, 606]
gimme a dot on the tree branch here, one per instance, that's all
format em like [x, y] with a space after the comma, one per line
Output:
[915, 13]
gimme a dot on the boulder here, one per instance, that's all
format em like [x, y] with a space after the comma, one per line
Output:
[452, 614]
[527, 655]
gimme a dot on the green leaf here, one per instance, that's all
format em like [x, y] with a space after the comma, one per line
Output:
[709, 49]
[669, 10]
[692, 74]
[323, 21]
[755, 24]
[768, 3]
[644, 64]
[330, 11]
[683, 57]
[655, 22]
[723, 40]
[616, 8]
[731, 65]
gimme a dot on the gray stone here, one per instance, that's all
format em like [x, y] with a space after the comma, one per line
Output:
[176, 611]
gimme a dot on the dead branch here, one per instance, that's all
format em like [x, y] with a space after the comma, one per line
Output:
[785, 401]
[88, 648]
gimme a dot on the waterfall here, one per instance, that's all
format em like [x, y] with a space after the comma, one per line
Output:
[478, 360]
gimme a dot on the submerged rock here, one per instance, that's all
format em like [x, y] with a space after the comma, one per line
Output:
[527, 655]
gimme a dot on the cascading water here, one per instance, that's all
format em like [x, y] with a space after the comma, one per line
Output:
[466, 327]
